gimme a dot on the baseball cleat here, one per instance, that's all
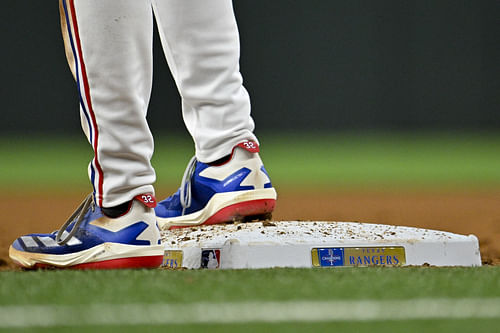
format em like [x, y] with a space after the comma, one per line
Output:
[237, 190]
[91, 240]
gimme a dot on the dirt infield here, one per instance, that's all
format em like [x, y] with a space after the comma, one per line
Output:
[463, 212]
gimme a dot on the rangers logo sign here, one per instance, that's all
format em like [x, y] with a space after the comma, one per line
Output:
[358, 256]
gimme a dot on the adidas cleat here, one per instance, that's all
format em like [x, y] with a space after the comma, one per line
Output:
[91, 240]
[237, 190]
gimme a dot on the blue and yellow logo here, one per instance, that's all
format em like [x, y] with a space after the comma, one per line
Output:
[358, 256]
[172, 259]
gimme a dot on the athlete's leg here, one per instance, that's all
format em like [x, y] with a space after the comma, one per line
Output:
[111, 43]
[201, 43]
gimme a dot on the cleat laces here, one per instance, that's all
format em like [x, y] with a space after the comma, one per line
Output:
[185, 189]
[78, 214]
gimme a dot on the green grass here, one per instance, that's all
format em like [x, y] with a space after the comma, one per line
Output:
[342, 160]
[412, 326]
[378, 159]
[143, 286]
[77, 288]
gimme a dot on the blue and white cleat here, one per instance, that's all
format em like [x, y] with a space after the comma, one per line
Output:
[91, 240]
[237, 190]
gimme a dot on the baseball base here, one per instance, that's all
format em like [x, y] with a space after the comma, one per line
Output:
[315, 244]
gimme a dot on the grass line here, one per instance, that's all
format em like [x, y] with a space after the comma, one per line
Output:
[241, 312]
[362, 159]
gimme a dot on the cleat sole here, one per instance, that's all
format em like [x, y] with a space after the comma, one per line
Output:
[241, 212]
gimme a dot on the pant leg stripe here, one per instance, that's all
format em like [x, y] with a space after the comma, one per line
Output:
[77, 70]
[77, 49]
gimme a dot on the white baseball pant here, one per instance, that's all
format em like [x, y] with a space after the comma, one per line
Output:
[109, 49]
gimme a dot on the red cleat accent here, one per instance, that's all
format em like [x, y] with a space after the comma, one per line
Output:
[238, 211]
[121, 263]
[147, 199]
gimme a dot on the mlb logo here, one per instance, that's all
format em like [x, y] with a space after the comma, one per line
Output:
[210, 258]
